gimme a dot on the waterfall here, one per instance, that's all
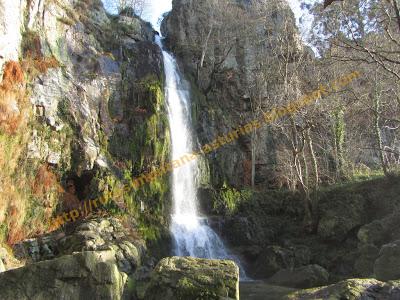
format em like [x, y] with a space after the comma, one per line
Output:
[191, 232]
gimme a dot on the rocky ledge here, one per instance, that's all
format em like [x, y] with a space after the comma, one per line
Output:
[99, 258]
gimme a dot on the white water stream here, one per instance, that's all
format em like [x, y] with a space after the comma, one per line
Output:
[191, 233]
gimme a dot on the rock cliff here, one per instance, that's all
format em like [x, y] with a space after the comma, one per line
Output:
[82, 112]
[93, 108]
[224, 49]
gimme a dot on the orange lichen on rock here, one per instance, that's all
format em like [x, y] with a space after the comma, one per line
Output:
[13, 74]
[42, 65]
[45, 181]
[12, 98]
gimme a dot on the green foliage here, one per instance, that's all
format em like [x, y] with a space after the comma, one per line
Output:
[3, 233]
[229, 199]
[363, 173]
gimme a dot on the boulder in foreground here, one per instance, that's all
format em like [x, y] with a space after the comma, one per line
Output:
[86, 275]
[187, 278]
[352, 289]
[387, 266]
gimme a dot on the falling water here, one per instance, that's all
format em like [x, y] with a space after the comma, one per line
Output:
[191, 233]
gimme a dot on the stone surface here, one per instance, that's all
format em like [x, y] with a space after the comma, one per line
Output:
[387, 265]
[11, 14]
[90, 235]
[258, 290]
[221, 95]
[303, 277]
[8, 261]
[372, 237]
[179, 278]
[364, 264]
[86, 275]
[351, 289]
[2, 267]
[98, 113]
[275, 258]
[76, 100]
[337, 221]
[381, 231]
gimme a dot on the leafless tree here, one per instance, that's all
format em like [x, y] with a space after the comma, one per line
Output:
[130, 6]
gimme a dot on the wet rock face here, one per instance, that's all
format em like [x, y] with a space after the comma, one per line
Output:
[221, 99]
[185, 278]
[87, 275]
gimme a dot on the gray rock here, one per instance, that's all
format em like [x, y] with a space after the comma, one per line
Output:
[382, 231]
[303, 277]
[387, 265]
[185, 28]
[364, 264]
[337, 221]
[187, 278]
[89, 235]
[351, 289]
[2, 267]
[275, 258]
[87, 275]
[11, 14]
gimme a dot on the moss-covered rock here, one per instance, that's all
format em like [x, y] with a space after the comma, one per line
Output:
[387, 265]
[351, 289]
[87, 275]
[179, 278]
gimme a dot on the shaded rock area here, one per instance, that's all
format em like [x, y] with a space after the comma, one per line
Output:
[387, 265]
[275, 258]
[378, 240]
[185, 278]
[87, 275]
[352, 289]
[303, 277]
[258, 290]
[352, 226]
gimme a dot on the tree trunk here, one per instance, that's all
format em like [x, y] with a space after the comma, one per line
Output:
[297, 149]
[253, 158]
[339, 134]
[377, 104]
[313, 156]
[305, 167]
